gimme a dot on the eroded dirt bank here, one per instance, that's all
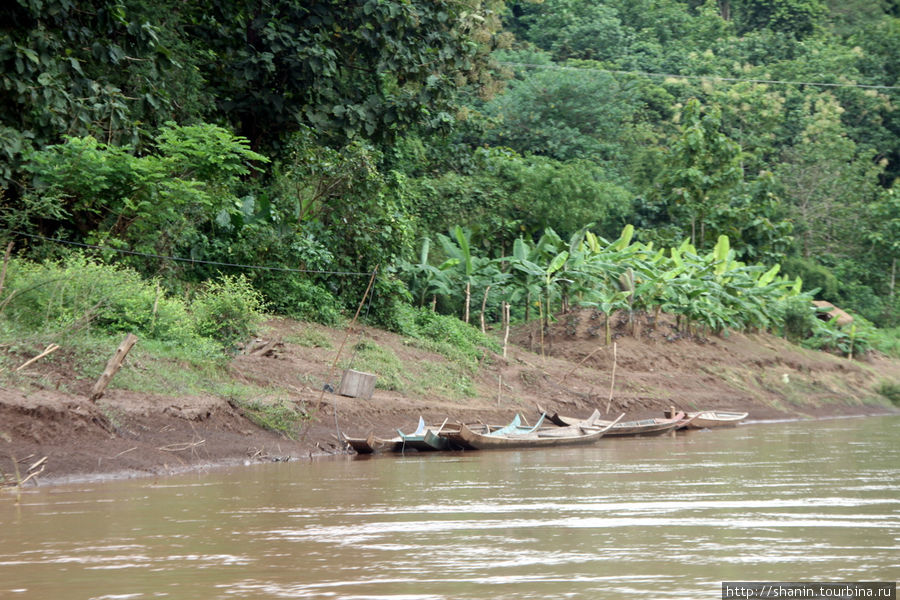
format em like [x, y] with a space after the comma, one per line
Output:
[131, 433]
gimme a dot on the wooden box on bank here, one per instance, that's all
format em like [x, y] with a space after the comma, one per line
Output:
[357, 384]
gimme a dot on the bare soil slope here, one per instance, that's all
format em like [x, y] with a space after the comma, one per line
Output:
[569, 369]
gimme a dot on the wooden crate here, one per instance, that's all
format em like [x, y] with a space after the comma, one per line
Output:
[357, 384]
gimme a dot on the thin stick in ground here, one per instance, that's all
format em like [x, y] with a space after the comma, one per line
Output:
[612, 381]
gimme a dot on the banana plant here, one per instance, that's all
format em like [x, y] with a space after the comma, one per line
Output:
[458, 249]
[423, 278]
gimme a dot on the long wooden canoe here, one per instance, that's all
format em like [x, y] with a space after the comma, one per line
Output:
[534, 437]
[453, 433]
[711, 418]
[641, 427]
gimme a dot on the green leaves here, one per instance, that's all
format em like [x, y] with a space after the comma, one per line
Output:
[152, 202]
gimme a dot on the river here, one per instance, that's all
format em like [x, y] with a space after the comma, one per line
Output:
[668, 517]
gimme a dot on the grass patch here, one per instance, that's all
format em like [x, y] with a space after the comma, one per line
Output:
[445, 335]
[445, 380]
[372, 358]
[310, 338]
[278, 415]
[449, 379]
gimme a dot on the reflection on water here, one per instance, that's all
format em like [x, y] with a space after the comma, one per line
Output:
[628, 518]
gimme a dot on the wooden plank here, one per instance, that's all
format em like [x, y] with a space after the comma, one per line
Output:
[113, 366]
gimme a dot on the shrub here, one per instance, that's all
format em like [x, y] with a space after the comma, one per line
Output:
[292, 295]
[891, 391]
[798, 318]
[80, 293]
[227, 310]
[814, 276]
[444, 334]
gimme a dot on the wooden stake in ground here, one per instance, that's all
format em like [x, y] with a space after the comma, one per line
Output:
[612, 382]
[505, 327]
[483, 306]
[113, 366]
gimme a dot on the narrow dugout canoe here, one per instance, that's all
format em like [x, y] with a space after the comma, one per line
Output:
[641, 427]
[534, 437]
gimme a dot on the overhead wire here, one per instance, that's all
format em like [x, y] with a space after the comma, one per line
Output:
[701, 77]
[183, 259]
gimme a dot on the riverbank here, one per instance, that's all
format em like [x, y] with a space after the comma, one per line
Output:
[130, 432]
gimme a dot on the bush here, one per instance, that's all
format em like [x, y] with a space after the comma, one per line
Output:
[444, 334]
[814, 276]
[292, 295]
[80, 293]
[798, 318]
[227, 310]
[891, 391]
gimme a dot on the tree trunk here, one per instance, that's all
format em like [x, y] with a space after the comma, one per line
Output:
[725, 9]
[483, 305]
[893, 278]
[468, 299]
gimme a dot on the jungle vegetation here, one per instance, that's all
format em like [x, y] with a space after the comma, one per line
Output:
[725, 161]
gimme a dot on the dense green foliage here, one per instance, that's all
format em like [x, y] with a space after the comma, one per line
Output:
[473, 152]
[61, 299]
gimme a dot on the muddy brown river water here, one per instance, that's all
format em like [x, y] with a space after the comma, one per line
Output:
[668, 517]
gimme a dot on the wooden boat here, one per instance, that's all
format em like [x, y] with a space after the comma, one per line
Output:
[642, 427]
[515, 435]
[711, 418]
[373, 444]
[422, 439]
[452, 433]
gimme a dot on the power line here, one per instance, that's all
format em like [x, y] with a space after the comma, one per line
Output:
[182, 259]
[702, 77]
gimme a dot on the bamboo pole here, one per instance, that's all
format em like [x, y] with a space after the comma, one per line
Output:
[344, 342]
[581, 362]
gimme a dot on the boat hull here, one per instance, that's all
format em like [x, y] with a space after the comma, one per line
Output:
[644, 427]
[535, 438]
[712, 420]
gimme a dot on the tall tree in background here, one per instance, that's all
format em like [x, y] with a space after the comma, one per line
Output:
[826, 182]
[702, 170]
[114, 69]
[361, 69]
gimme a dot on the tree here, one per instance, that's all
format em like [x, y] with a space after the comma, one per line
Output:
[826, 180]
[702, 170]
[796, 17]
[112, 69]
[362, 69]
[564, 113]
[155, 203]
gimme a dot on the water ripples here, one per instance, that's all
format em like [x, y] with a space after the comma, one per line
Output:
[635, 519]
